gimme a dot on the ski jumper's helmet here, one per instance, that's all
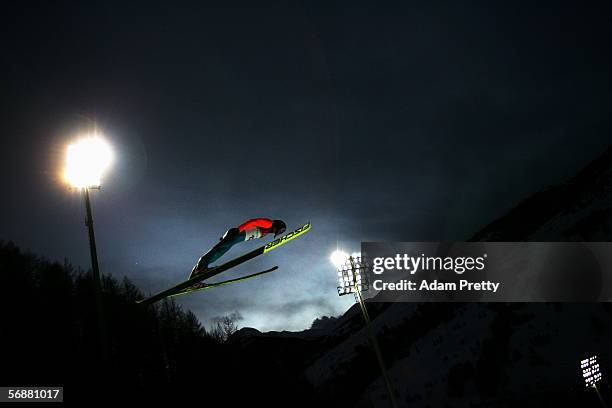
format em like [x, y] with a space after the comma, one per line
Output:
[279, 226]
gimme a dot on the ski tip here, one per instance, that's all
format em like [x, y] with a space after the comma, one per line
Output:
[287, 237]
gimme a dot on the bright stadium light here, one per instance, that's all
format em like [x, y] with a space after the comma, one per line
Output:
[338, 258]
[590, 371]
[351, 273]
[86, 162]
[591, 374]
[352, 278]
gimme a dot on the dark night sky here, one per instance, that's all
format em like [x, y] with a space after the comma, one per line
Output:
[411, 122]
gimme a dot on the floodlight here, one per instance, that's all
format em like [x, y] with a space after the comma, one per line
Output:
[351, 273]
[591, 372]
[86, 162]
[338, 258]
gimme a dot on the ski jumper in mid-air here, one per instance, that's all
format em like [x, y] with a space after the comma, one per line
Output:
[251, 229]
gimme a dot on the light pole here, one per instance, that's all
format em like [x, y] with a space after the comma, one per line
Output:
[591, 373]
[86, 162]
[353, 279]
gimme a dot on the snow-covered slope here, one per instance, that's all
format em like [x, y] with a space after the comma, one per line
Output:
[577, 210]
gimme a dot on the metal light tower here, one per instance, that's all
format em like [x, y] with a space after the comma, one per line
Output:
[591, 373]
[353, 279]
[86, 161]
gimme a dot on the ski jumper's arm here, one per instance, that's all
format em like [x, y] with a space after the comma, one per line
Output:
[256, 227]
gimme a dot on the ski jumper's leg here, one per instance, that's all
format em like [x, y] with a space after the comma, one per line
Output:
[231, 238]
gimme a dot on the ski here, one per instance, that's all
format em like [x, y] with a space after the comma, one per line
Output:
[229, 264]
[222, 283]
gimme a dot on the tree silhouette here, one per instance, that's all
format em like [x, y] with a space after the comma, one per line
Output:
[50, 338]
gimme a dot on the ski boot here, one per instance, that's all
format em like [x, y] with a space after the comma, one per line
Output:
[197, 270]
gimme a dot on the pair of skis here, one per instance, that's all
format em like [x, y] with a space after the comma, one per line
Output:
[186, 286]
[223, 283]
